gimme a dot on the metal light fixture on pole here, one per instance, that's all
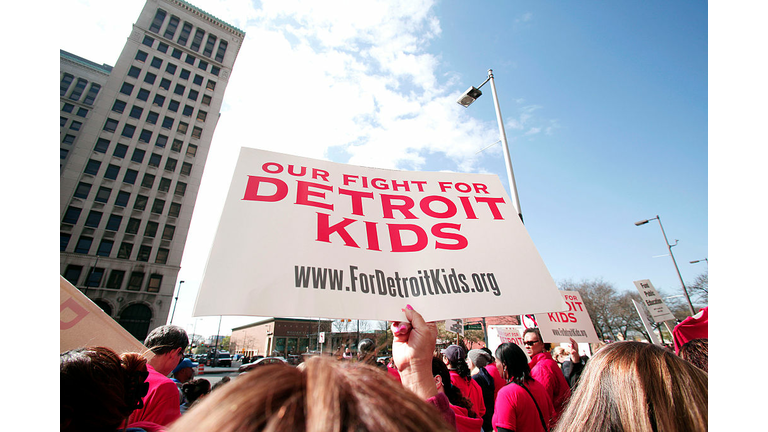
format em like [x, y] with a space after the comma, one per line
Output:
[698, 261]
[466, 100]
[669, 247]
[176, 302]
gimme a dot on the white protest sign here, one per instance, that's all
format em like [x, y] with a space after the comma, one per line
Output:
[305, 237]
[574, 323]
[499, 334]
[84, 324]
[644, 318]
[651, 299]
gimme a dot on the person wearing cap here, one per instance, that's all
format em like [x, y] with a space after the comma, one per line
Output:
[477, 360]
[183, 373]
[456, 359]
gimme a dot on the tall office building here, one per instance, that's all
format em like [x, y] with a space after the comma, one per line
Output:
[134, 141]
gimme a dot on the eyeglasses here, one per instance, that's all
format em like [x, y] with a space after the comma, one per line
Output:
[531, 343]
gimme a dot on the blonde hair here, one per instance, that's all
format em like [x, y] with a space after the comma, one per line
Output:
[327, 395]
[637, 387]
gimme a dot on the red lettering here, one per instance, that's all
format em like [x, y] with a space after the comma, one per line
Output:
[479, 187]
[492, 205]
[318, 173]
[252, 189]
[438, 231]
[357, 199]
[303, 193]
[324, 230]
[388, 206]
[395, 237]
[448, 213]
[373, 236]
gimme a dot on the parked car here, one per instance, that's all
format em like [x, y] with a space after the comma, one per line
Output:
[222, 359]
[261, 362]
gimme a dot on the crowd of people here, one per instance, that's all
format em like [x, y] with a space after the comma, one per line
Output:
[628, 386]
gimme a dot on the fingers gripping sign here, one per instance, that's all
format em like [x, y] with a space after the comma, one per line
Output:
[412, 348]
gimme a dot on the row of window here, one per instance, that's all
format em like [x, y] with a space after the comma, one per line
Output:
[85, 243]
[102, 146]
[170, 69]
[177, 54]
[152, 117]
[121, 200]
[78, 89]
[184, 35]
[69, 108]
[95, 276]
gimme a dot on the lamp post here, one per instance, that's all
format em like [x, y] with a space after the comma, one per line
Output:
[669, 247]
[466, 100]
[698, 261]
[176, 302]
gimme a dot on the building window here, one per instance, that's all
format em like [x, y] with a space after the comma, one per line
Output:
[111, 172]
[181, 188]
[209, 44]
[82, 112]
[173, 106]
[94, 219]
[143, 94]
[94, 277]
[197, 80]
[115, 279]
[151, 229]
[170, 165]
[92, 93]
[126, 89]
[144, 252]
[162, 256]
[206, 100]
[66, 81]
[82, 190]
[148, 41]
[165, 185]
[148, 181]
[84, 245]
[75, 125]
[134, 283]
[118, 106]
[122, 198]
[92, 167]
[197, 132]
[105, 248]
[78, 91]
[176, 146]
[72, 273]
[150, 78]
[187, 111]
[136, 112]
[110, 125]
[128, 131]
[197, 40]
[165, 84]
[162, 47]
[158, 206]
[193, 94]
[186, 29]
[221, 51]
[120, 150]
[102, 145]
[71, 215]
[68, 139]
[174, 210]
[62, 121]
[179, 90]
[154, 159]
[141, 202]
[130, 176]
[145, 136]
[186, 168]
[202, 65]
[138, 155]
[125, 250]
[113, 223]
[170, 68]
[134, 72]
[64, 241]
[159, 100]
[184, 74]
[201, 115]
[152, 117]
[191, 150]
[141, 56]
[157, 22]
[63, 153]
[170, 30]
[157, 63]
[215, 70]
[168, 232]
[68, 107]
[103, 194]
[167, 122]
[182, 128]
[176, 53]
[154, 283]
[190, 59]
[133, 226]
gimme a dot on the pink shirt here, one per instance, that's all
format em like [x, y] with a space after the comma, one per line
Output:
[471, 390]
[464, 423]
[498, 381]
[161, 404]
[548, 373]
[515, 410]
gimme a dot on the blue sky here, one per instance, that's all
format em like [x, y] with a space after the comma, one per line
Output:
[605, 106]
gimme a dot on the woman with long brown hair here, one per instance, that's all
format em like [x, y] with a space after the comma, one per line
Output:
[637, 387]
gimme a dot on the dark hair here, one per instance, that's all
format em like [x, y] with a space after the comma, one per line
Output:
[452, 392]
[165, 339]
[514, 363]
[489, 353]
[460, 366]
[100, 389]
[696, 351]
[547, 346]
[195, 388]
[327, 395]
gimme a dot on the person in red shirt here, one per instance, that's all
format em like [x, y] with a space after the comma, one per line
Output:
[456, 359]
[161, 404]
[546, 371]
[498, 381]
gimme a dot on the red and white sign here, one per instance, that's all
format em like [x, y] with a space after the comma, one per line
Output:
[304, 237]
[573, 323]
[499, 334]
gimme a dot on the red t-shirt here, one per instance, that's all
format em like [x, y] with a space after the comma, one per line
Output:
[515, 410]
[464, 423]
[471, 390]
[161, 404]
[498, 381]
[548, 373]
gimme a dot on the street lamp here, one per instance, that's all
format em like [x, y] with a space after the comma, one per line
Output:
[698, 261]
[669, 247]
[466, 100]
[176, 302]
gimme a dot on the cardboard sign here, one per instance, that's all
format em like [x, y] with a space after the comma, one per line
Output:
[574, 323]
[499, 334]
[646, 323]
[84, 324]
[304, 237]
[651, 299]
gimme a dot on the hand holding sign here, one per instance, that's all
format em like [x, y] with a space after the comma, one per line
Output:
[412, 348]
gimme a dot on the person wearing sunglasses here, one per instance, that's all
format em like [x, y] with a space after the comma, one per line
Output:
[546, 371]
